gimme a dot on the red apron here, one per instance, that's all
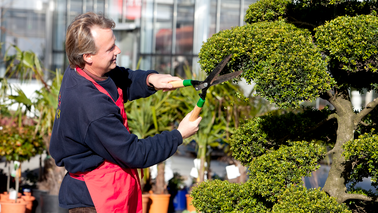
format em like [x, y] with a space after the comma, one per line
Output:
[112, 188]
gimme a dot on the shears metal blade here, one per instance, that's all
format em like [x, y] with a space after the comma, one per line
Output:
[212, 79]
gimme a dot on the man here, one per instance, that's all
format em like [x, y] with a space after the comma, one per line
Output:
[90, 136]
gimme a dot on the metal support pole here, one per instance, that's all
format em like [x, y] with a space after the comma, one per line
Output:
[241, 15]
[217, 25]
[174, 25]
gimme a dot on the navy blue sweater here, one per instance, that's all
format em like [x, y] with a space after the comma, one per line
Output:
[88, 129]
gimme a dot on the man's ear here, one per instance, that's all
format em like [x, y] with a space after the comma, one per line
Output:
[88, 58]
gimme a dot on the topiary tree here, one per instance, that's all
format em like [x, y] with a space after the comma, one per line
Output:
[296, 52]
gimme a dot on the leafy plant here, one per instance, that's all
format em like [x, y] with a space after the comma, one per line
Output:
[149, 116]
[25, 66]
[19, 142]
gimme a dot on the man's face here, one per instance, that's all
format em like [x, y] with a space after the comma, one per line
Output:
[105, 58]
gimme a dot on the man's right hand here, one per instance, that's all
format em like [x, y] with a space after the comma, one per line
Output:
[188, 128]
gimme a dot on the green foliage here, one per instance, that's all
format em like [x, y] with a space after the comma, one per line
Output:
[177, 182]
[220, 196]
[280, 58]
[351, 41]
[362, 154]
[359, 190]
[272, 172]
[269, 176]
[24, 64]
[47, 103]
[371, 123]
[20, 143]
[299, 199]
[266, 10]
[151, 115]
[261, 134]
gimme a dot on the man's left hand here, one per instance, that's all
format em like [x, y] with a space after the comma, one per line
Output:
[161, 81]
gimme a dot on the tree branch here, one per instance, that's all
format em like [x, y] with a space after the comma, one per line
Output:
[326, 95]
[364, 124]
[330, 152]
[369, 107]
[347, 196]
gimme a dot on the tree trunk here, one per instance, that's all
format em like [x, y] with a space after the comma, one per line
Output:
[160, 182]
[242, 171]
[335, 183]
[52, 177]
[202, 158]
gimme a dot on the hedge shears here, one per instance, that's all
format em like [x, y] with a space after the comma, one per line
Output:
[213, 79]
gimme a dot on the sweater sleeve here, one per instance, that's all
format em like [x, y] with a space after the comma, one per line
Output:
[110, 139]
[133, 83]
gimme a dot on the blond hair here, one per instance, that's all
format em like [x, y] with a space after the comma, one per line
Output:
[79, 39]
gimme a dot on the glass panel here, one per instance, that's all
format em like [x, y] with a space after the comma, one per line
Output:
[229, 15]
[163, 29]
[126, 42]
[145, 63]
[89, 5]
[100, 6]
[22, 22]
[213, 17]
[180, 64]
[162, 64]
[76, 8]
[26, 30]
[164, 1]
[58, 61]
[132, 10]
[185, 1]
[146, 44]
[115, 10]
[59, 26]
[196, 68]
[184, 29]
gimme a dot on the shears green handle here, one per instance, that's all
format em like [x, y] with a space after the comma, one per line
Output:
[197, 110]
[182, 83]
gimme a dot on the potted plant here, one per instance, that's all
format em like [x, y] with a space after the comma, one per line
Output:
[177, 190]
[26, 66]
[147, 117]
[17, 144]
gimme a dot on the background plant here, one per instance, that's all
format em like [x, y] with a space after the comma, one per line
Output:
[150, 116]
[40, 107]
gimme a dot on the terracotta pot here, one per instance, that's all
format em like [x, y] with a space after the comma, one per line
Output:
[146, 202]
[189, 205]
[4, 196]
[29, 201]
[159, 203]
[11, 207]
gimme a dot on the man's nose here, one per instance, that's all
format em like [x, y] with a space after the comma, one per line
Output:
[117, 50]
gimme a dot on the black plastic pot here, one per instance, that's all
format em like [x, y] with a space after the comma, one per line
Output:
[37, 202]
[50, 204]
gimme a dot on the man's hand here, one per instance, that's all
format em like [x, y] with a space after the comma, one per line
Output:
[161, 81]
[188, 128]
